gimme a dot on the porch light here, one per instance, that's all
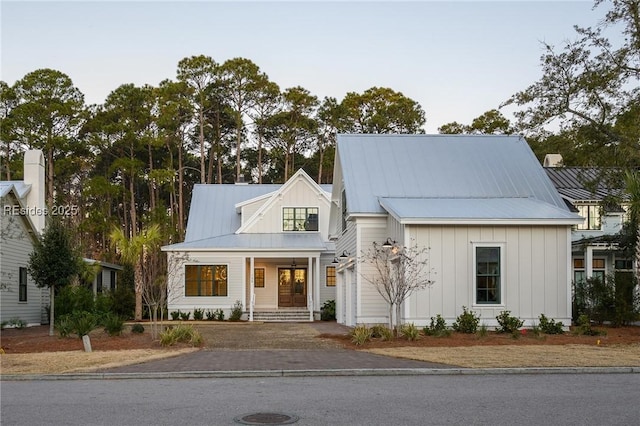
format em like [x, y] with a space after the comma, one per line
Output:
[344, 254]
[389, 243]
[335, 260]
[293, 264]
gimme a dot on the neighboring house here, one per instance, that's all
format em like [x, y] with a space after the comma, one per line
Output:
[21, 222]
[498, 233]
[265, 246]
[595, 240]
[106, 276]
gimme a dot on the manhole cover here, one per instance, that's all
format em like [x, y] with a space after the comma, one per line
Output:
[266, 419]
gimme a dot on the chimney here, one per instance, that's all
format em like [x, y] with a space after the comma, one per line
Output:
[34, 176]
[241, 181]
[553, 160]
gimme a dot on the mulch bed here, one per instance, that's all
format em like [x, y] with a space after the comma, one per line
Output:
[37, 339]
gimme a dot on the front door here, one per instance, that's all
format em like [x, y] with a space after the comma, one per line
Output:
[292, 290]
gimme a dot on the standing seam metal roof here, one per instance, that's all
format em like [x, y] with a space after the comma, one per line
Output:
[440, 167]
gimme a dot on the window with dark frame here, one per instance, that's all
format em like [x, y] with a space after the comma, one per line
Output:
[22, 285]
[591, 214]
[343, 202]
[258, 277]
[488, 275]
[331, 276]
[113, 280]
[205, 280]
[99, 282]
[300, 219]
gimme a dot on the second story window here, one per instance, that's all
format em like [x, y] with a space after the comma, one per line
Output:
[591, 215]
[300, 219]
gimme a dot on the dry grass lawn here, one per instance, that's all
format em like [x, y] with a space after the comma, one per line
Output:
[506, 356]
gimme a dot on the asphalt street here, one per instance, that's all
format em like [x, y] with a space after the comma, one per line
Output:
[516, 399]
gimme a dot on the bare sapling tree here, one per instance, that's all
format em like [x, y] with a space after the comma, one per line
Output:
[156, 292]
[396, 272]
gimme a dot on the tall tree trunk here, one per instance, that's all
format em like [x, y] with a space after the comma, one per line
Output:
[138, 291]
[259, 156]
[132, 206]
[320, 160]
[238, 147]
[201, 137]
[152, 186]
[180, 191]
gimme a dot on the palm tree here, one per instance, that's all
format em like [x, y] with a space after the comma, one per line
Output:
[135, 251]
[632, 181]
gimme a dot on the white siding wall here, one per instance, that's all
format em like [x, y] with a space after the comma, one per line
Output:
[371, 307]
[300, 194]
[326, 293]
[235, 276]
[250, 209]
[15, 247]
[535, 280]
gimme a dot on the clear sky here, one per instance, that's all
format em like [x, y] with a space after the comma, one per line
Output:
[457, 59]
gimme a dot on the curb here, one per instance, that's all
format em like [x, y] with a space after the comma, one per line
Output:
[323, 373]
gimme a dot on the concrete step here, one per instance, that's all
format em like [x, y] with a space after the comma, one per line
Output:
[281, 315]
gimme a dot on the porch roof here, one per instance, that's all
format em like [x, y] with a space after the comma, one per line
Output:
[294, 241]
[427, 210]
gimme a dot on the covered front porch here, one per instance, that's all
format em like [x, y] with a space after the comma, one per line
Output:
[285, 286]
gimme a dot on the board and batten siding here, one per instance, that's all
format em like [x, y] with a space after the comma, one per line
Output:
[372, 308]
[536, 272]
[15, 249]
[300, 194]
[177, 300]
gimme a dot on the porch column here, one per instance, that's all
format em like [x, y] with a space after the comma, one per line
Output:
[310, 286]
[588, 262]
[316, 305]
[252, 291]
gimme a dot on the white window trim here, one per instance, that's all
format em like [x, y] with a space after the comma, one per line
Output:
[502, 247]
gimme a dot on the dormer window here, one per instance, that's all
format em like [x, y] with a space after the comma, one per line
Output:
[300, 219]
[591, 214]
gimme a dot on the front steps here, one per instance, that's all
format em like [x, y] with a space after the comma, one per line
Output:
[281, 315]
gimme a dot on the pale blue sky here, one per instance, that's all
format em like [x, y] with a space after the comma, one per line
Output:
[457, 59]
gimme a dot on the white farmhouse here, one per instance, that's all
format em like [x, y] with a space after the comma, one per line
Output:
[498, 232]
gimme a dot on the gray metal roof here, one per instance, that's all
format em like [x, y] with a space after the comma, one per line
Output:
[21, 189]
[408, 210]
[580, 183]
[446, 167]
[212, 212]
[298, 241]
[214, 219]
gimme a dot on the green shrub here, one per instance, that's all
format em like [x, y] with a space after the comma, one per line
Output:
[72, 299]
[549, 326]
[102, 306]
[409, 331]
[360, 334]
[437, 327]
[381, 331]
[64, 325]
[198, 314]
[584, 327]
[236, 311]
[113, 324]
[16, 323]
[219, 315]
[137, 328]
[83, 323]
[181, 334]
[175, 315]
[466, 322]
[123, 301]
[210, 315]
[184, 316]
[508, 324]
[328, 311]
